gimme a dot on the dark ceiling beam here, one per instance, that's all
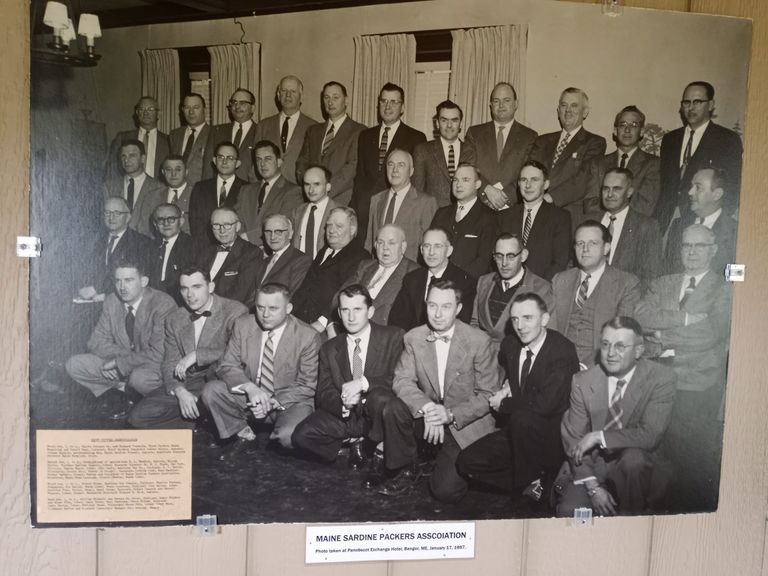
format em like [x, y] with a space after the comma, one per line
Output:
[209, 6]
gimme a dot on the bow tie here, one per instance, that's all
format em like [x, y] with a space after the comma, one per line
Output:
[197, 315]
[221, 248]
[433, 338]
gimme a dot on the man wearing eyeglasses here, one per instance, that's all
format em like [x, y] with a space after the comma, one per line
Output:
[241, 132]
[283, 262]
[619, 412]
[156, 144]
[172, 253]
[233, 263]
[698, 144]
[192, 141]
[374, 143]
[628, 128]
[686, 318]
[587, 296]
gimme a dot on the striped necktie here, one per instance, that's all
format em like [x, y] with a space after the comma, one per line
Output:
[327, 141]
[268, 365]
[527, 226]
[615, 408]
[383, 147]
[451, 161]
[581, 297]
[560, 148]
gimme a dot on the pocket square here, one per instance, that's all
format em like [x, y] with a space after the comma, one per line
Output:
[231, 273]
[470, 236]
[575, 155]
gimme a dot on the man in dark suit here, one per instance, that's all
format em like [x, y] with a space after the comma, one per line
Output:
[287, 128]
[126, 347]
[686, 318]
[118, 243]
[524, 456]
[276, 195]
[142, 192]
[233, 263]
[178, 191]
[443, 381]
[270, 369]
[435, 162]
[497, 290]
[635, 238]
[195, 338]
[499, 148]
[402, 204]
[471, 223]
[373, 145]
[283, 263]
[592, 293]
[627, 133]
[192, 141]
[313, 301]
[708, 207]
[172, 253]
[619, 411]
[544, 228]
[222, 191]
[310, 218]
[409, 311]
[383, 277]
[156, 144]
[569, 153]
[354, 382]
[699, 144]
[333, 144]
[241, 132]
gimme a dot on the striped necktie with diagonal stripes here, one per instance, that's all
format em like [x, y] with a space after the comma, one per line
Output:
[268, 365]
[615, 408]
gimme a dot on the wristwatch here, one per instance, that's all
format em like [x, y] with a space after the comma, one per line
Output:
[593, 491]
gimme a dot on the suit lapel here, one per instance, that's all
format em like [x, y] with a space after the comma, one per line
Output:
[211, 325]
[457, 354]
[425, 353]
[635, 392]
[598, 404]
[252, 353]
[342, 359]
[437, 152]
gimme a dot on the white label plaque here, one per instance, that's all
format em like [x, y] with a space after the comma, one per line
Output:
[369, 542]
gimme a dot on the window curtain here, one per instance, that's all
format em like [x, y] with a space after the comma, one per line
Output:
[482, 57]
[160, 79]
[233, 66]
[378, 60]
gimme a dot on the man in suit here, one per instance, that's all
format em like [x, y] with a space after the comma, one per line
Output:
[686, 318]
[310, 218]
[333, 144]
[544, 228]
[126, 347]
[142, 192]
[288, 127]
[592, 293]
[353, 384]
[196, 335]
[496, 291]
[373, 145]
[699, 144]
[283, 263]
[241, 132]
[619, 411]
[172, 253]
[435, 162]
[627, 133]
[269, 369]
[471, 223]
[403, 204]
[119, 242]
[233, 263]
[313, 301]
[276, 195]
[409, 311]
[223, 191]
[569, 153]
[191, 141]
[443, 381]
[635, 238]
[523, 457]
[156, 143]
[499, 148]
[708, 201]
[178, 191]
[383, 277]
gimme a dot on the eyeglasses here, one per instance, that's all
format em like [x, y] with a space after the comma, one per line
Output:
[625, 125]
[500, 256]
[166, 220]
[149, 109]
[620, 348]
[223, 158]
[226, 226]
[276, 232]
[114, 213]
[696, 103]
[235, 103]
[383, 102]
[698, 246]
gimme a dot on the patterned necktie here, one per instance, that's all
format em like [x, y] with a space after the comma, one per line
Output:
[432, 337]
[527, 226]
[110, 247]
[238, 136]
[262, 195]
[284, 135]
[451, 161]
[309, 234]
[175, 197]
[327, 141]
[383, 147]
[223, 193]
[560, 148]
[688, 291]
[459, 212]
[188, 146]
[376, 279]
[615, 408]
[611, 221]
[357, 361]
[687, 153]
[268, 365]
[130, 324]
[389, 217]
[581, 296]
[131, 192]
[526, 368]
[499, 143]
[623, 163]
